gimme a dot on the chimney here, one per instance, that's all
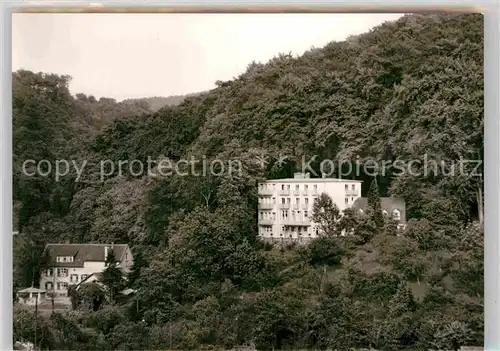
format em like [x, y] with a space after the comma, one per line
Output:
[323, 175]
[105, 252]
[307, 175]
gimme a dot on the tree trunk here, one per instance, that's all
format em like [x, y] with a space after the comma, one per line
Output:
[36, 319]
[323, 278]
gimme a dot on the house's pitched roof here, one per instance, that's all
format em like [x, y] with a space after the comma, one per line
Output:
[81, 253]
[388, 204]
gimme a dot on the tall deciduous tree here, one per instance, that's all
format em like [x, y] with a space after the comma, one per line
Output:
[327, 215]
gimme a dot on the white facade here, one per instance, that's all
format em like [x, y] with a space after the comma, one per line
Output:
[286, 205]
[58, 279]
[31, 296]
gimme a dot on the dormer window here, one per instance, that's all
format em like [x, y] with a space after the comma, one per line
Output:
[385, 213]
[361, 211]
[64, 259]
[396, 215]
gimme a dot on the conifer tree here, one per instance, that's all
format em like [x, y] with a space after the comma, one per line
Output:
[112, 276]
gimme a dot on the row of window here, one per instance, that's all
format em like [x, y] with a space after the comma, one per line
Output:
[395, 214]
[285, 214]
[63, 272]
[349, 200]
[291, 231]
[297, 203]
[59, 286]
[64, 259]
[286, 200]
[300, 230]
[287, 187]
[304, 215]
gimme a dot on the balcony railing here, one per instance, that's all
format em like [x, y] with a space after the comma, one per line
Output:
[351, 193]
[266, 206]
[266, 221]
[305, 206]
[296, 206]
[296, 222]
[293, 235]
[265, 191]
[285, 206]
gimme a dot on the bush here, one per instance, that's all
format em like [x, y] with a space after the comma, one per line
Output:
[325, 251]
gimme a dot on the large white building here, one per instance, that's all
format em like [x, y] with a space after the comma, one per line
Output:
[71, 264]
[286, 205]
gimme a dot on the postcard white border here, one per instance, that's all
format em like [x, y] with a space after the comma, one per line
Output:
[492, 134]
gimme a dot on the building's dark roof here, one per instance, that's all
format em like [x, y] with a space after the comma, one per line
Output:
[81, 253]
[32, 290]
[388, 204]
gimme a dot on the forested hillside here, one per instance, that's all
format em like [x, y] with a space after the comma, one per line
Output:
[406, 89]
[157, 102]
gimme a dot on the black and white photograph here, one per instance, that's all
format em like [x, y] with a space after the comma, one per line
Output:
[248, 181]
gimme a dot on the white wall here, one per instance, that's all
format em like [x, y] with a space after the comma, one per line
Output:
[335, 189]
[127, 260]
[87, 269]
[92, 267]
[31, 300]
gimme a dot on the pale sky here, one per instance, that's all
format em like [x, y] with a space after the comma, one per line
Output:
[139, 55]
